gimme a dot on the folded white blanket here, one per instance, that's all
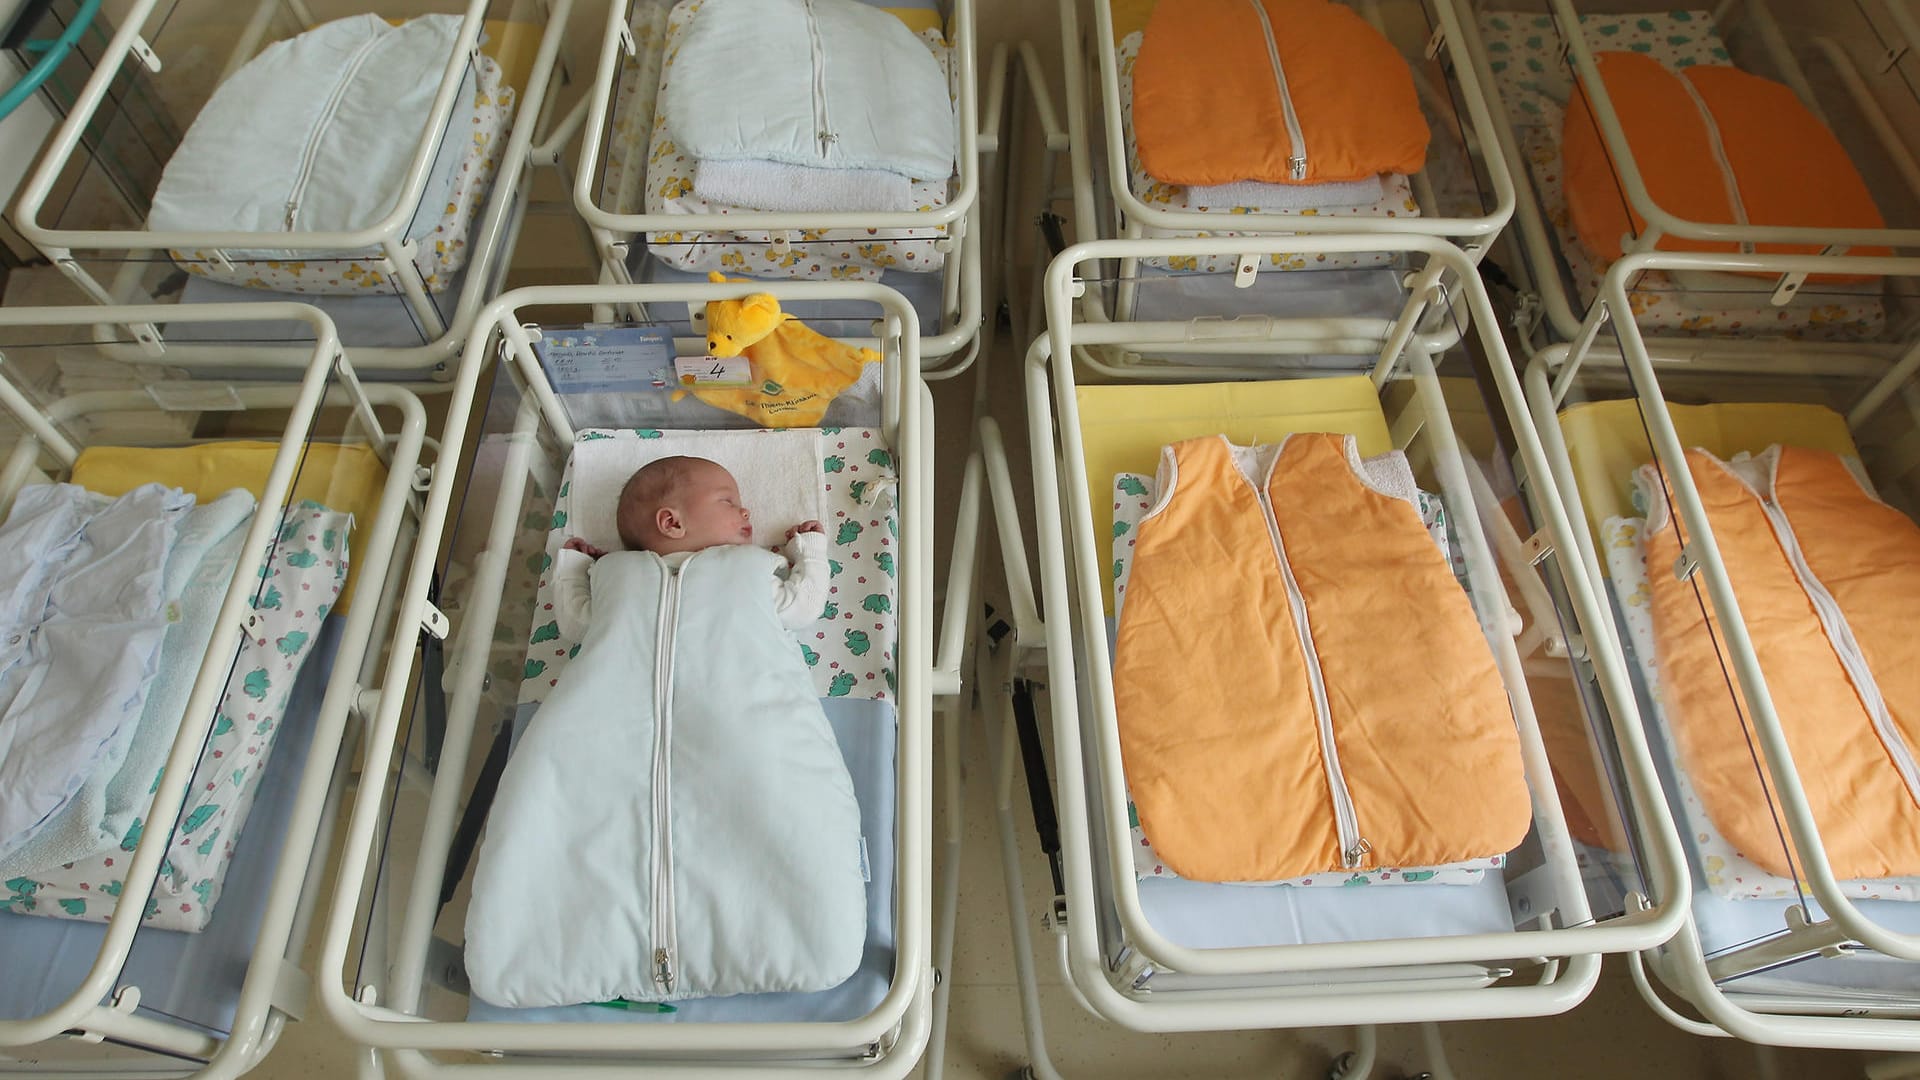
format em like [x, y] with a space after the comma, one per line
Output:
[778, 473]
[776, 185]
[116, 793]
[1287, 197]
[84, 612]
[830, 84]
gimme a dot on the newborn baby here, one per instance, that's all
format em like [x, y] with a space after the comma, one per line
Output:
[675, 507]
[682, 771]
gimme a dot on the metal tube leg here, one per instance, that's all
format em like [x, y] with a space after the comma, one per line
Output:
[943, 931]
[1001, 752]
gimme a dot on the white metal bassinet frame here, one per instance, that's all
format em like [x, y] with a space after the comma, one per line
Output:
[491, 238]
[961, 313]
[1403, 981]
[1132, 218]
[274, 991]
[1135, 216]
[1536, 237]
[1808, 1019]
[886, 1042]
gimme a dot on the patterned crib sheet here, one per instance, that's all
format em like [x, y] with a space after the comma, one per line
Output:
[1536, 82]
[1728, 873]
[1396, 201]
[1132, 498]
[442, 253]
[304, 579]
[851, 647]
[667, 179]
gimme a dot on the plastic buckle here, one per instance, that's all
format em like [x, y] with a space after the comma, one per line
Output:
[1245, 271]
[434, 621]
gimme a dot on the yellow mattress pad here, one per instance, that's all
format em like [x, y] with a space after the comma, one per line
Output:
[1607, 441]
[342, 478]
[1122, 428]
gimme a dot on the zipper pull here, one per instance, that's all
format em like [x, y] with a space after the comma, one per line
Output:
[827, 138]
[293, 209]
[663, 969]
[1297, 167]
[1350, 858]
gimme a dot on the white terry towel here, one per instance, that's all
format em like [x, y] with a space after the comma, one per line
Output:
[78, 643]
[776, 185]
[778, 473]
[1274, 197]
[116, 794]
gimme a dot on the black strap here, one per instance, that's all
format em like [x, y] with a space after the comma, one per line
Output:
[467, 837]
[1039, 791]
[433, 690]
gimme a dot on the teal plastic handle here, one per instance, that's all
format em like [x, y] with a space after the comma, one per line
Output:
[51, 54]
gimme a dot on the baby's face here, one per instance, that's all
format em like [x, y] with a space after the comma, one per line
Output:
[711, 509]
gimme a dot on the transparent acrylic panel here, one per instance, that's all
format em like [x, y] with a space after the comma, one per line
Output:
[480, 688]
[1806, 606]
[188, 465]
[1830, 55]
[109, 182]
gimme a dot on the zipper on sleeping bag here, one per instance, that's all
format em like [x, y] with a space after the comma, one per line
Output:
[310, 157]
[1352, 845]
[822, 128]
[663, 925]
[1845, 645]
[1297, 160]
[1719, 148]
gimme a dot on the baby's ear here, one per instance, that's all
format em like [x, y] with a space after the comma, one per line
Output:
[668, 522]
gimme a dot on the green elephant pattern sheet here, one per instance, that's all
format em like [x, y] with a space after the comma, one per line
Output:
[1535, 82]
[1132, 498]
[850, 648]
[302, 578]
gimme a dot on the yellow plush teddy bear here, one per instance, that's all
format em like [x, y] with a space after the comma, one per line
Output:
[797, 372]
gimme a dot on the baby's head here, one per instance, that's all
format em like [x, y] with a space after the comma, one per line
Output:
[681, 504]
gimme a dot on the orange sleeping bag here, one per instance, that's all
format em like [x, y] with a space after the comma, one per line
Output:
[1825, 576]
[1300, 683]
[1713, 144]
[1220, 85]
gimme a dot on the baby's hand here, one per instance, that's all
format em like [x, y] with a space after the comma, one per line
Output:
[574, 543]
[805, 527]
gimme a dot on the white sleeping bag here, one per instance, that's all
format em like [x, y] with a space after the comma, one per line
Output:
[315, 134]
[828, 84]
[677, 820]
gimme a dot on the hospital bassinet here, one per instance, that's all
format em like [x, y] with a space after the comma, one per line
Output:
[1794, 936]
[636, 189]
[1459, 190]
[1150, 951]
[1451, 189]
[551, 455]
[153, 906]
[375, 168]
[1541, 71]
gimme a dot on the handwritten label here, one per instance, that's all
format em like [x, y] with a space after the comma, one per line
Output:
[714, 372]
[607, 360]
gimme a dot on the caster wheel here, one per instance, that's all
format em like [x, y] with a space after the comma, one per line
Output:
[1341, 1066]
